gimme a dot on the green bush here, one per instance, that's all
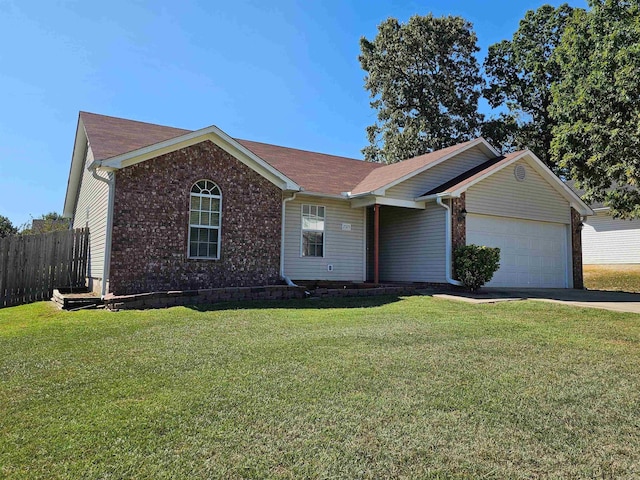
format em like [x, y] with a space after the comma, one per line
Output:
[474, 265]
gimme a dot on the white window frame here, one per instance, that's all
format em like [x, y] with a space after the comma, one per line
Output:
[210, 227]
[323, 231]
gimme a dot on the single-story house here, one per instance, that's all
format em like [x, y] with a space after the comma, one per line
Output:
[607, 240]
[171, 209]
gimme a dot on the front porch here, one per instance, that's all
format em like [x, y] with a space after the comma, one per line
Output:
[408, 244]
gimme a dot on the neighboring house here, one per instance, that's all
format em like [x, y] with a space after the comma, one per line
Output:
[40, 225]
[171, 209]
[607, 240]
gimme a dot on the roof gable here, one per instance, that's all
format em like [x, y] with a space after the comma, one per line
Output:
[395, 173]
[456, 186]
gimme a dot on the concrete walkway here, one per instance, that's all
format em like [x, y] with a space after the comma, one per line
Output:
[616, 301]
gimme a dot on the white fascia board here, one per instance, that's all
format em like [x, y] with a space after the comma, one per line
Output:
[434, 196]
[358, 195]
[601, 209]
[574, 200]
[486, 146]
[78, 156]
[392, 202]
[219, 138]
[321, 195]
[98, 165]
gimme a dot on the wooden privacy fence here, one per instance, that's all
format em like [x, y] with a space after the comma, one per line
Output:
[31, 266]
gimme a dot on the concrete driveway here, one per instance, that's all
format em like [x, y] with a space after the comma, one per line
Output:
[616, 301]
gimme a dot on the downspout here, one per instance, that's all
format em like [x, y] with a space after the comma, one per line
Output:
[282, 275]
[447, 243]
[376, 244]
[107, 241]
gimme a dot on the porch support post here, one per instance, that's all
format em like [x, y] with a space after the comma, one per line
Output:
[376, 243]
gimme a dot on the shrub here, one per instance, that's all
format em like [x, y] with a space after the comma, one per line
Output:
[474, 265]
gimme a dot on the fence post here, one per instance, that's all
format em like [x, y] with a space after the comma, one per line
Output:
[4, 268]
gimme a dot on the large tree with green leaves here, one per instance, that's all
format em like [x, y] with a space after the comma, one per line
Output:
[596, 104]
[6, 227]
[520, 73]
[424, 82]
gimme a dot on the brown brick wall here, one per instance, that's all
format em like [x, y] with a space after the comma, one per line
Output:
[576, 249]
[150, 225]
[458, 223]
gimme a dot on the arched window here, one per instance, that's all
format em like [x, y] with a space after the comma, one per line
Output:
[205, 220]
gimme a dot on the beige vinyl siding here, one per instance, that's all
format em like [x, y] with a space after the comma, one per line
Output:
[532, 199]
[342, 249]
[91, 210]
[433, 177]
[607, 240]
[412, 244]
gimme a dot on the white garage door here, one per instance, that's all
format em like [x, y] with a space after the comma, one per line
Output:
[532, 254]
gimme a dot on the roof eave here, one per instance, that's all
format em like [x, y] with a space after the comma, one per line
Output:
[78, 155]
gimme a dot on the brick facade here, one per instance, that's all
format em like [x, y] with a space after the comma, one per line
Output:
[151, 216]
[576, 249]
[458, 222]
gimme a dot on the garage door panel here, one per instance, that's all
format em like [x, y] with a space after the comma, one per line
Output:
[532, 254]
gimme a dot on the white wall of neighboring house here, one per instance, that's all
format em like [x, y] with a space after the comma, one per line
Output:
[607, 240]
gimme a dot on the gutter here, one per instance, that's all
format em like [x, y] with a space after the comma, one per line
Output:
[107, 241]
[282, 274]
[447, 242]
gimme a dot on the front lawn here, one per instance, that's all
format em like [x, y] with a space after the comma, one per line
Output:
[624, 278]
[345, 388]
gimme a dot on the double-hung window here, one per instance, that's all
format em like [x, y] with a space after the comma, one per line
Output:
[204, 220]
[312, 231]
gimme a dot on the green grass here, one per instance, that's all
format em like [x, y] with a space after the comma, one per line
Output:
[351, 388]
[625, 278]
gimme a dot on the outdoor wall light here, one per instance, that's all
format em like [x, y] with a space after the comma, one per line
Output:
[462, 214]
[581, 224]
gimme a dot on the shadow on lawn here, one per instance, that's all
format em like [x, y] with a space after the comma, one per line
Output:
[306, 303]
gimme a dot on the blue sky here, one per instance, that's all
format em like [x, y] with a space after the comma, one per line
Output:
[281, 72]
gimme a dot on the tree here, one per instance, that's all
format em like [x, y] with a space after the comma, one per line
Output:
[596, 104]
[425, 83]
[520, 73]
[49, 222]
[6, 227]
